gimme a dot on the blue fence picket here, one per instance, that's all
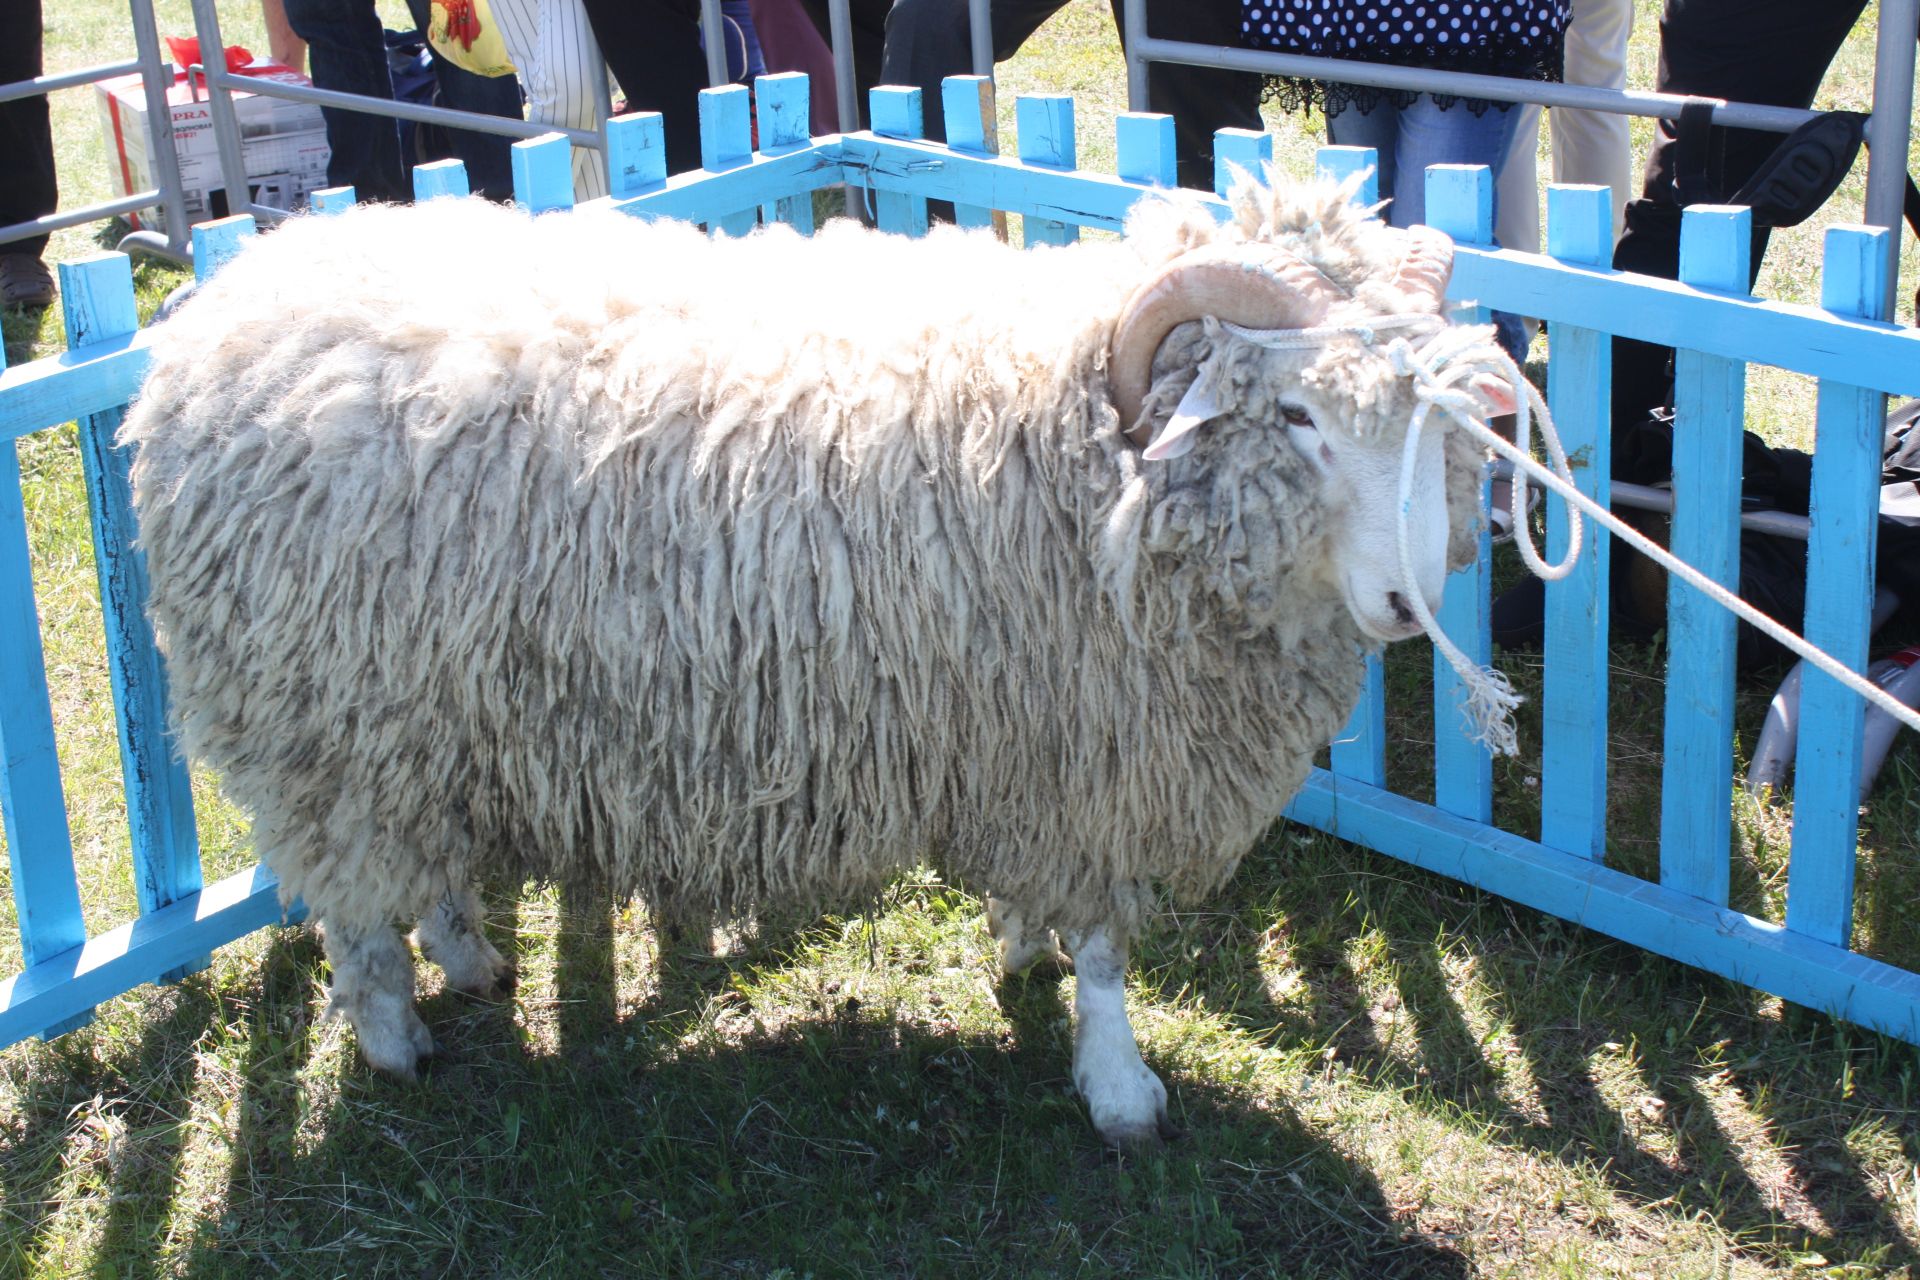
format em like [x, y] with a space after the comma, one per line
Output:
[542, 173]
[1337, 164]
[1239, 151]
[215, 243]
[1696, 817]
[439, 178]
[1359, 750]
[726, 142]
[783, 104]
[1573, 749]
[98, 297]
[1144, 149]
[967, 105]
[1840, 560]
[897, 113]
[1045, 124]
[1460, 203]
[332, 200]
[33, 806]
[636, 154]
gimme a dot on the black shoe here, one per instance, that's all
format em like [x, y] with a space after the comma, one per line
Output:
[1519, 614]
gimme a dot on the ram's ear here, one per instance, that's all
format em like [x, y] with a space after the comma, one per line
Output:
[1176, 439]
[1496, 394]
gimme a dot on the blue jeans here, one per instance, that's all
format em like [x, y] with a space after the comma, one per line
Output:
[1409, 139]
[348, 48]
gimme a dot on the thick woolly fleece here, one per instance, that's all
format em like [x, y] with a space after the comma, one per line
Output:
[738, 571]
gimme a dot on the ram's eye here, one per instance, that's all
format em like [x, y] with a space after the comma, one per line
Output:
[1295, 416]
[1311, 444]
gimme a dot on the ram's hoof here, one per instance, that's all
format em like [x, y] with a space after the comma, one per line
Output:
[393, 1040]
[496, 988]
[1129, 1108]
[1140, 1138]
[406, 1070]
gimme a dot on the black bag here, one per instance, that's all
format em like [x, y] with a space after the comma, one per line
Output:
[1773, 567]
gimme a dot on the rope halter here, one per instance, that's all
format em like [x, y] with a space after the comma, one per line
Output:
[1443, 368]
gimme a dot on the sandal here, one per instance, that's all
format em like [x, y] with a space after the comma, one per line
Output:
[1500, 502]
[24, 281]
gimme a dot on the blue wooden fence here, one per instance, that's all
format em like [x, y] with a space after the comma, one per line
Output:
[1707, 314]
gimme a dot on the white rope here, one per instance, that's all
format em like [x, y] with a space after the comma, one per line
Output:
[1443, 369]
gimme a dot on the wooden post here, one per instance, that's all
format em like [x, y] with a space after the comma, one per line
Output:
[1573, 753]
[1696, 784]
[1460, 203]
[98, 293]
[1840, 559]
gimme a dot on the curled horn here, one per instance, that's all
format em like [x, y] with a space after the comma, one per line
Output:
[1427, 265]
[1275, 290]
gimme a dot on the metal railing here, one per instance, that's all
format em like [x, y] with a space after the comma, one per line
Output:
[1888, 129]
[156, 75]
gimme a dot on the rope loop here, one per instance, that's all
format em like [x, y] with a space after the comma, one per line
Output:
[1443, 368]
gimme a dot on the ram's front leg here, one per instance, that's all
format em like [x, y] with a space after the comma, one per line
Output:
[1128, 1102]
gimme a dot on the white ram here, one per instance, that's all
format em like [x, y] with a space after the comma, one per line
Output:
[746, 571]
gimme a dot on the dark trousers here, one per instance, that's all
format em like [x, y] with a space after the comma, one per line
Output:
[27, 186]
[653, 49]
[347, 46]
[1773, 52]
[921, 42]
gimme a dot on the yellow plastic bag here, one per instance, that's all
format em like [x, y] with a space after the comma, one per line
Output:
[465, 34]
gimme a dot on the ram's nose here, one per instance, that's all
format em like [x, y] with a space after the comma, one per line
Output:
[1388, 617]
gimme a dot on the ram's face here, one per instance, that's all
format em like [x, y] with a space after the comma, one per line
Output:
[1343, 407]
[1360, 475]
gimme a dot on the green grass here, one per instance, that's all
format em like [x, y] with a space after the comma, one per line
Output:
[1385, 1074]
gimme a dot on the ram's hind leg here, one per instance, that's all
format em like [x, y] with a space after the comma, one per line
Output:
[1021, 940]
[451, 936]
[373, 990]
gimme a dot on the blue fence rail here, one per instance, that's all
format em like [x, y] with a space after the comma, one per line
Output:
[1846, 343]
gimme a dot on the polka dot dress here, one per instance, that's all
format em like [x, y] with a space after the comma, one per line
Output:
[1491, 37]
[1337, 27]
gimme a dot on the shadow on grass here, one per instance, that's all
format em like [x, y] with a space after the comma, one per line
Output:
[723, 1124]
[108, 1119]
[1765, 1157]
[847, 1142]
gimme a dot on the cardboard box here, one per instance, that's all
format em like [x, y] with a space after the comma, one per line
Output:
[284, 143]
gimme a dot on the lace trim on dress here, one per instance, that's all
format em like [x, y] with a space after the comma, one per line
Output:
[1542, 62]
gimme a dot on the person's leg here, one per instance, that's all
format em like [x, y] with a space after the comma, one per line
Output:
[1773, 52]
[929, 40]
[28, 188]
[740, 14]
[1379, 129]
[790, 42]
[1201, 100]
[653, 48]
[1518, 190]
[486, 156]
[347, 49]
[1593, 146]
[28, 185]
[1431, 134]
[553, 51]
